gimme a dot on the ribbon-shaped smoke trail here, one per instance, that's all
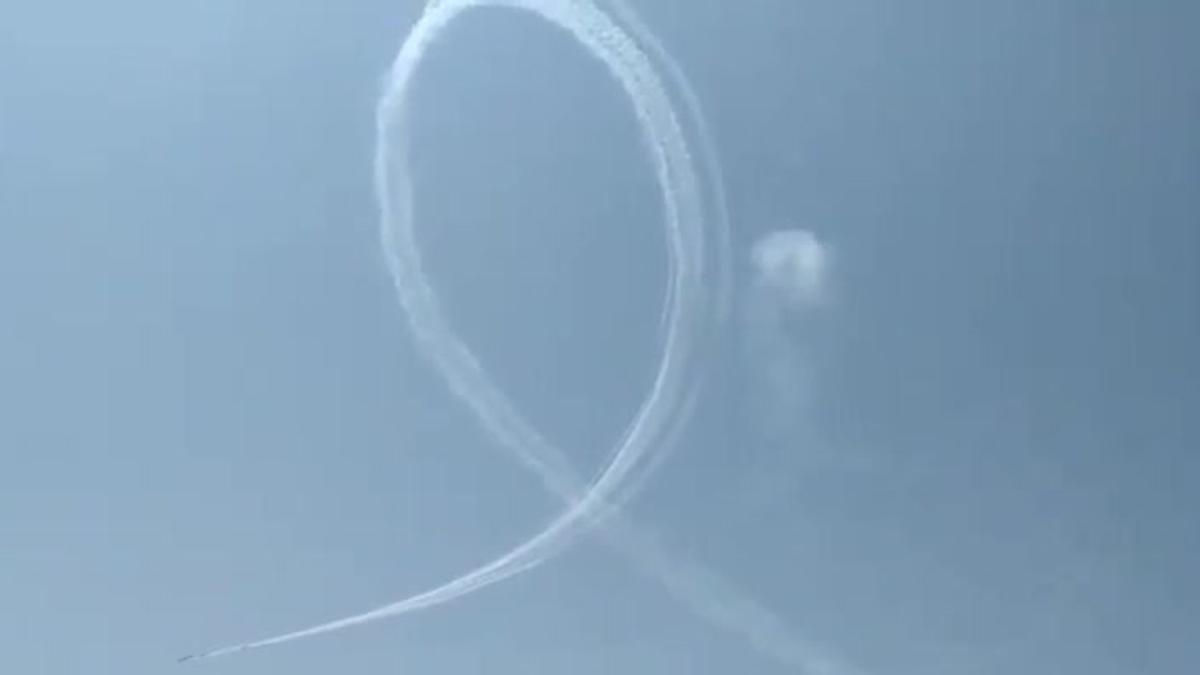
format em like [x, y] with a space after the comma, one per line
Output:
[687, 319]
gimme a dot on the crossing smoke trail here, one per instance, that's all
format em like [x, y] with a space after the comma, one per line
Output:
[691, 311]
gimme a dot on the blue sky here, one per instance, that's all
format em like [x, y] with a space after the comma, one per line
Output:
[217, 427]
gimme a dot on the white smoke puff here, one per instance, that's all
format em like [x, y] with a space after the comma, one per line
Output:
[789, 280]
[794, 266]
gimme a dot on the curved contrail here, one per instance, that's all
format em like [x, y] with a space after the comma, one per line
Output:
[696, 297]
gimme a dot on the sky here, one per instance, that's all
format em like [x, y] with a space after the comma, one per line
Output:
[971, 455]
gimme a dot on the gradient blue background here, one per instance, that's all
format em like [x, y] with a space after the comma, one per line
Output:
[215, 426]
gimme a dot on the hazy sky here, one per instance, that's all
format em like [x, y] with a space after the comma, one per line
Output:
[978, 453]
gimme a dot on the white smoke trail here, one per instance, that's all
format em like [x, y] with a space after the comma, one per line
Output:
[686, 320]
